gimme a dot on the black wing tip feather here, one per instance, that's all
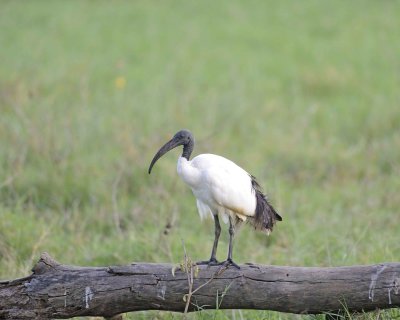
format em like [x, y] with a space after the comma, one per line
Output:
[265, 215]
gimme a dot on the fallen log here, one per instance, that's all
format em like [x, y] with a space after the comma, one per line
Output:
[56, 291]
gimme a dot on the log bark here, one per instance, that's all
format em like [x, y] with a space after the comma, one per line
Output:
[56, 291]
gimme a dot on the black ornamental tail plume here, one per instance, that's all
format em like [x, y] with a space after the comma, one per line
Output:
[265, 216]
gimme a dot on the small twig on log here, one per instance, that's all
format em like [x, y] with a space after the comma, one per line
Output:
[187, 267]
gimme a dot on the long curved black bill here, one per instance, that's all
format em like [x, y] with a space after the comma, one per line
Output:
[173, 143]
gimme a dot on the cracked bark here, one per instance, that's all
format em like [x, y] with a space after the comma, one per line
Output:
[56, 291]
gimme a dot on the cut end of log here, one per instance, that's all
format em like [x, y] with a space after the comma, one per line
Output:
[45, 264]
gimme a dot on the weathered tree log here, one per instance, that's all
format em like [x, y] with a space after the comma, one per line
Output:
[56, 291]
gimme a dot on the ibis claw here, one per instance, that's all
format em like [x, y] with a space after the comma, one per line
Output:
[227, 263]
[211, 262]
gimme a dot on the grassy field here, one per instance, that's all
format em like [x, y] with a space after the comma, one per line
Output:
[304, 95]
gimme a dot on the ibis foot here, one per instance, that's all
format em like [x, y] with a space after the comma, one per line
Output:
[227, 263]
[211, 262]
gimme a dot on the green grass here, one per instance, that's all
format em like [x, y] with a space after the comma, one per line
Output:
[304, 95]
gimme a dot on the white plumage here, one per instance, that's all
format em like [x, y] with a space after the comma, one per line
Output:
[221, 188]
[219, 185]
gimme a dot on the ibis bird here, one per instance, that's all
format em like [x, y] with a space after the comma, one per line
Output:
[221, 188]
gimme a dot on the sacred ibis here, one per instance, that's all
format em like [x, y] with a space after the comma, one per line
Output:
[221, 188]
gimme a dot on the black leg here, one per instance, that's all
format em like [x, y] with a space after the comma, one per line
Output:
[216, 238]
[229, 261]
[213, 259]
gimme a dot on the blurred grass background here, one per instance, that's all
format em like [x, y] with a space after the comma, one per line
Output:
[304, 95]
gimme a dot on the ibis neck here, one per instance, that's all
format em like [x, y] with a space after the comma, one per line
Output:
[187, 150]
